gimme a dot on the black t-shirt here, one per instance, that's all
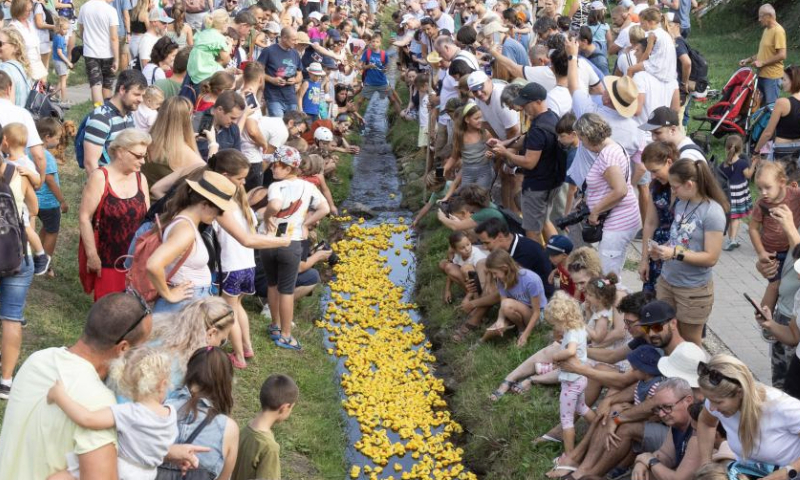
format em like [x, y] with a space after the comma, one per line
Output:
[531, 255]
[541, 137]
[680, 49]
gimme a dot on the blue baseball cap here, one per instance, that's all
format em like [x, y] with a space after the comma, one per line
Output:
[656, 312]
[645, 359]
[558, 244]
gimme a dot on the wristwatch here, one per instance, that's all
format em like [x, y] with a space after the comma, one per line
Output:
[790, 471]
[653, 462]
[679, 253]
[615, 418]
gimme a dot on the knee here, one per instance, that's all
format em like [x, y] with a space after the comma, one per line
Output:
[507, 305]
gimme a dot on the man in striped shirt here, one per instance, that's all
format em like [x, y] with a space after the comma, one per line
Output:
[114, 116]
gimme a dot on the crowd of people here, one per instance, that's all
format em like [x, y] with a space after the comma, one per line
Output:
[552, 140]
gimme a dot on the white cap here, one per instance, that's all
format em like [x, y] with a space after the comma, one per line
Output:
[597, 5]
[273, 27]
[476, 78]
[626, 3]
[406, 18]
[315, 15]
[682, 363]
[431, 5]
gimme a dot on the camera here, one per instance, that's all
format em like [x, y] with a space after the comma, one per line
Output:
[579, 215]
[444, 207]
[324, 246]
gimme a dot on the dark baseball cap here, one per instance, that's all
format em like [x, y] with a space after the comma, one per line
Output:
[661, 117]
[656, 312]
[645, 359]
[531, 92]
[558, 244]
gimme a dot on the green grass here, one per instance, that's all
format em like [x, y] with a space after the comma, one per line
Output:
[312, 440]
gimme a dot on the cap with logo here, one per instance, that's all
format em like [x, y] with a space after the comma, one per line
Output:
[661, 117]
[476, 80]
[656, 312]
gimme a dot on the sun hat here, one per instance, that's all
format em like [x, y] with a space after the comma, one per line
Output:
[655, 312]
[315, 69]
[645, 359]
[315, 15]
[661, 117]
[431, 5]
[302, 38]
[158, 15]
[531, 92]
[433, 58]
[476, 80]
[288, 156]
[216, 189]
[682, 363]
[624, 94]
[491, 28]
[273, 27]
[558, 244]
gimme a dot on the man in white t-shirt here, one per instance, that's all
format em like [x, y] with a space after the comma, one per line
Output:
[621, 19]
[654, 93]
[503, 121]
[156, 29]
[443, 20]
[664, 126]
[15, 114]
[97, 26]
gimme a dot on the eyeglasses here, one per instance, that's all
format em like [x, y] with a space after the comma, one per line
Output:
[714, 376]
[657, 328]
[139, 156]
[666, 408]
[630, 323]
[135, 324]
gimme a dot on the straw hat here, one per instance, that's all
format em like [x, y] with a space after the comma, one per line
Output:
[624, 94]
[433, 58]
[216, 189]
[303, 38]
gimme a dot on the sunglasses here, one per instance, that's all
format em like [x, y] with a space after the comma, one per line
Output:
[714, 376]
[139, 156]
[666, 408]
[657, 328]
[135, 324]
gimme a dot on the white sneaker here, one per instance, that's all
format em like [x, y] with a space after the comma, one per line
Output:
[266, 313]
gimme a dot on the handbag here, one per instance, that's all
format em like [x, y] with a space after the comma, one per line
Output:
[168, 471]
[594, 233]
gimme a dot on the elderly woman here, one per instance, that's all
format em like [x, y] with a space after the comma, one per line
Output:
[22, 20]
[174, 147]
[762, 424]
[114, 203]
[609, 194]
[15, 63]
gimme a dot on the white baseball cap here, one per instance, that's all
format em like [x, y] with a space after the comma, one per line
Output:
[476, 79]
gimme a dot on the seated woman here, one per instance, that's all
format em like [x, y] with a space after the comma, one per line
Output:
[469, 207]
[522, 297]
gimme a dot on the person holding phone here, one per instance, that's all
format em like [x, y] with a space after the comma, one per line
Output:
[496, 34]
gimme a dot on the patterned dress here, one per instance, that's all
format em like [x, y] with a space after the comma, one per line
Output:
[662, 199]
[738, 187]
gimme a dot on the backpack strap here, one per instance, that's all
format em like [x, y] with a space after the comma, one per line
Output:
[8, 175]
[198, 429]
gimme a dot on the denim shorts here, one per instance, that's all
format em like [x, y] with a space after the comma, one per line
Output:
[308, 278]
[51, 219]
[277, 109]
[163, 306]
[239, 282]
[14, 292]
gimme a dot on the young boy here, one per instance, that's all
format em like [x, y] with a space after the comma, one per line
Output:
[311, 94]
[15, 137]
[259, 453]
[464, 260]
[558, 249]
[61, 60]
[51, 199]
[373, 63]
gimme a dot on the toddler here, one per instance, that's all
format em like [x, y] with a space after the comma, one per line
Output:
[259, 453]
[311, 93]
[311, 169]
[766, 233]
[564, 314]
[604, 329]
[659, 59]
[61, 59]
[463, 259]
[736, 172]
[145, 428]
[15, 138]
[51, 199]
[145, 116]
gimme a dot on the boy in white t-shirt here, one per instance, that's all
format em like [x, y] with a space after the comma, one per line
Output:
[462, 262]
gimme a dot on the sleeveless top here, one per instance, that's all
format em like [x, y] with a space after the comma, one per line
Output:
[155, 171]
[211, 436]
[789, 126]
[116, 221]
[195, 268]
[137, 27]
[178, 37]
[473, 154]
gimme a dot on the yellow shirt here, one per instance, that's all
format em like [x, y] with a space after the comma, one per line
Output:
[36, 437]
[772, 40]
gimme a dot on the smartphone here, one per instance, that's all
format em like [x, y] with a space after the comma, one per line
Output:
[250, 98]
[206, 123]
[764, 210]
[753, 303]
[473, 277]
[439, 173]
[281, 229]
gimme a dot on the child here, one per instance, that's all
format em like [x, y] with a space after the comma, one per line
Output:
[766, 233]
[311, 171]
[568, 139]
[142, 375]
[422, 83]
[145, 116]
[599, 299]
[259, 454]
[558, 249]
[373, 64]
[51, 200]
[468, 157]
[599, 28]
[15, 138]
[61, 60]
[310, 95]
[440, 192]
[462, 259]
[211, 50]
[564, 314]
[737, 171]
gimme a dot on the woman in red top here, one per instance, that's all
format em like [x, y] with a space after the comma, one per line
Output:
[113, 205]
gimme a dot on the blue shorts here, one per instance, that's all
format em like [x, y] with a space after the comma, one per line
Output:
[239, 282]
[308, 278]
[14, 292]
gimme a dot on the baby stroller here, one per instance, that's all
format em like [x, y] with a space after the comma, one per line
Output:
[733, 112]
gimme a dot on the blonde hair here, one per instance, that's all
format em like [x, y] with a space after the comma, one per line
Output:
[153, 93]
[312, 164]
[218, 19]
[15, 39]
[754, 395]
[130, 137]
[637, 34]
[62, 22]
[140, 372]
[585, 258]
[16, 135]
[184, 332]
[712, 471]
[564, 311]
[775, 168]
[501, 260]
[174, 122]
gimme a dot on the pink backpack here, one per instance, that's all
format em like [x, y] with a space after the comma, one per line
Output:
[136, 277]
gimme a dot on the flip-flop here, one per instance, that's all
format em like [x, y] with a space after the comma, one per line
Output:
[274, 332]
[289, 343]
[546, 438]
[497, 394]
[566, 468]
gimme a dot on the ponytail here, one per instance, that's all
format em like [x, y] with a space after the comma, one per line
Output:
[697, 171]
[733, 147]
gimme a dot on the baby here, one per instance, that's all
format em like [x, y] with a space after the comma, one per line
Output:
[145, 116]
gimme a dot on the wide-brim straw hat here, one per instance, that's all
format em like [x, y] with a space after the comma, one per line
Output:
[216, 189]
[624, 94]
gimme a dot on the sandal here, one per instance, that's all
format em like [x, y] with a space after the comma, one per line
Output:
[518, 387]
[237, 363]
[249, 354]
[274, 332]
[289, 343]
[497, 394]
[566, 476]
[547, 438]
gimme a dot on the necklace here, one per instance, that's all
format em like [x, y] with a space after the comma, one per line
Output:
[685, 216]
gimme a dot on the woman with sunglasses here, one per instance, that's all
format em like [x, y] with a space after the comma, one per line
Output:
[762, 423]
[113, 205]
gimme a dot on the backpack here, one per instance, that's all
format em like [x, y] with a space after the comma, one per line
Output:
[12, 230]
[136, 277]
[513, 221]
[196, 6]
[38, 102]
[80, 137]
[369, 56]
[699, 73]
[692, 146]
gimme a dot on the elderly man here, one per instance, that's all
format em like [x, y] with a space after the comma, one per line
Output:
[283, 70]
[156, 28]
[770, 56]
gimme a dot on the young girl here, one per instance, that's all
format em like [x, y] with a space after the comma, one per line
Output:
[766, 232]
[659, 59]
[469, 149]
[440, 192]
[522, 297]
[145, 116]
[311, 92]
[210, 90]
[311, 171]
[564, 314]
[604, 329]
[599, 28]
[737, 171]
[179, 31]
[462, 259]
[143, 376]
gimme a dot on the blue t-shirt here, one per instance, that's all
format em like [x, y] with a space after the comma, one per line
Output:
[528, 285]
[44, 194]
[375, 77]
[515, 51]
[59, 43]
[280, 63]
[121, 6]
[312, 98]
